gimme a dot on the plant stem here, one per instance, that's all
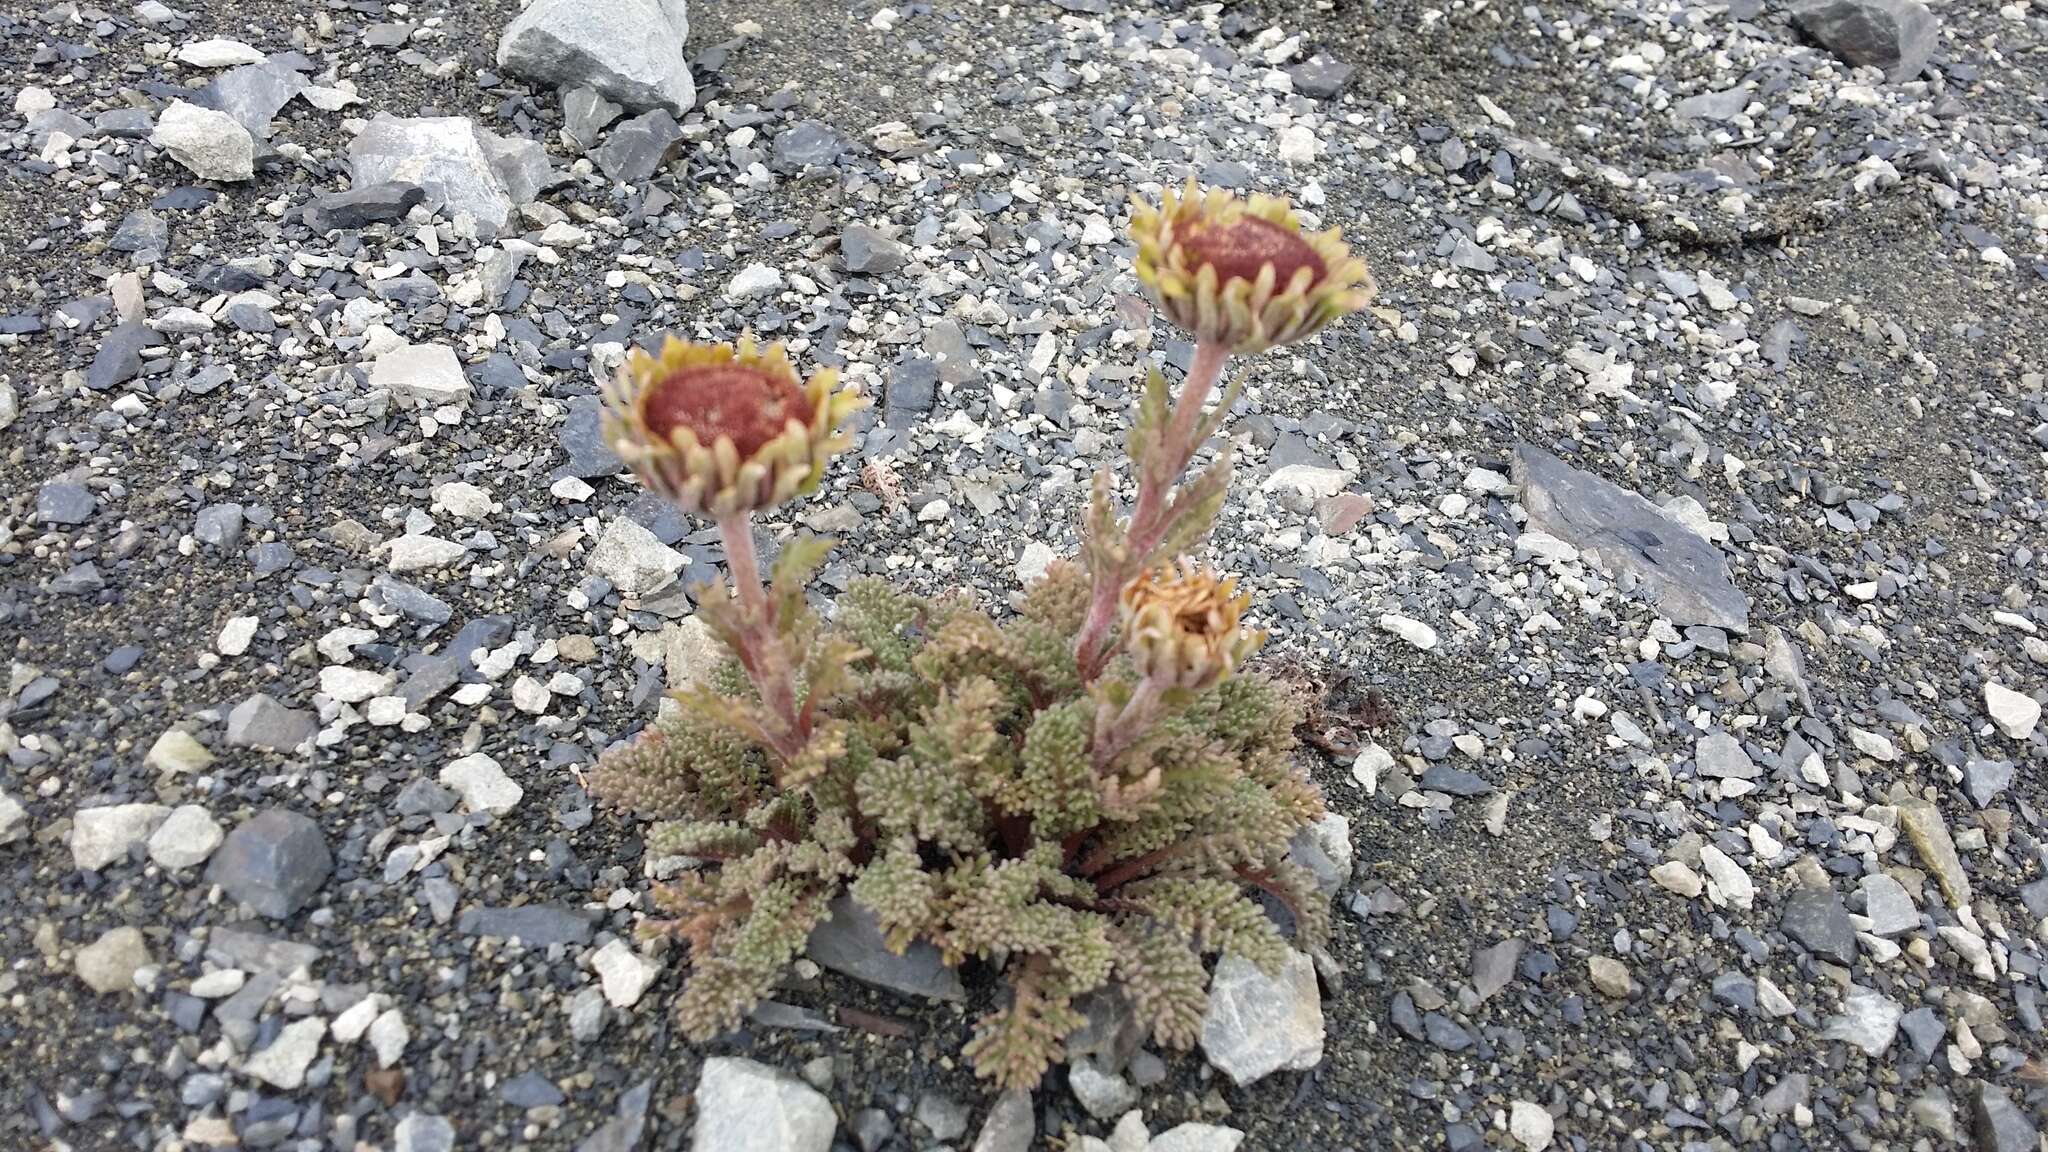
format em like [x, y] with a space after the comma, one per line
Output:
[766, 662]
[1165, 459]
[1116, 735]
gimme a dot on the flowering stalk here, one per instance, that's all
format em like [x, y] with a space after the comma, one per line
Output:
[1183, 629]
[759, 632]
[1162, 463]
[1241, 276]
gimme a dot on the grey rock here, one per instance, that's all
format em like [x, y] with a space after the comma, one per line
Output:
[631, 51]
[1888, 905]
[253, 94]
[1622, 532]
[211, 144]
[912, 389]
[124, 123]
[1324, 848]
[119, 358]
[522, 164]
[536, 925]
[743, 1106]
[1104, 1094]
[1719, 756]
[1320, 77]
[1816, 919]
[1712, 105]
[807, 143]
[866, 250]
[942, 1116]
[1924, 1031]
[1453, 781]
[1869, 1020]
[461, 168]
[585, 114]
[1010, 1126]
[1493, 968]
[262, 722]
[1984, 780]
[1999, 1124]
[1895, 35]
[623, 1131]
[219, 525]
[274, 862]
[256, 952]
[363, 206]
[141, 231]
[583, 439]
[104, 834]
[641, 147]
[79, 579]
[850, 943]
[64, 502]
[530, 1090]
[1259, 1024]
[422, 1132]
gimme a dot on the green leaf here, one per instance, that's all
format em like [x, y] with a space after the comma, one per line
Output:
[799, 561]
[1194, 510]
[1221, 412]
[1154, 413]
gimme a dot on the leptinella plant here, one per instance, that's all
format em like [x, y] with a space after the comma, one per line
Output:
[1094, 793]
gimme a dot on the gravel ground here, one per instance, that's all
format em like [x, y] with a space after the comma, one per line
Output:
[1664, 544]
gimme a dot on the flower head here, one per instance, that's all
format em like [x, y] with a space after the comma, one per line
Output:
[1181, 626]
[1242, 273]
[720, 429]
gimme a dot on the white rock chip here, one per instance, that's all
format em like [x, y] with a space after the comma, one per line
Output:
[284, 1063]
[1036, 558]
[1413, 631]
[235, 635]
[634, 559]
[186, 837]
[2015, 713]
[109, 963]
[355, 685]
[389, 1036]
[212, 145]
[420, 553]
[1195, 1138]
[428, 373]
[743, 1106]
[461, 500]
[1259, 1024]
[218, 53]
[1531, 1125]
[101, 836]
[177, 751]
[624, 974]
[482, 784]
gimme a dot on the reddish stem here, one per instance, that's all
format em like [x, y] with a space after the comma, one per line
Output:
[1165, 459]
[762, 652]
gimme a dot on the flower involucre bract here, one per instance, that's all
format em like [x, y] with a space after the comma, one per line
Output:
[1182, 626]
[720, 429]
[1242, 273]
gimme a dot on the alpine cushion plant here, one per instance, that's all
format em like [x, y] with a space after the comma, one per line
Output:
[1094, 793]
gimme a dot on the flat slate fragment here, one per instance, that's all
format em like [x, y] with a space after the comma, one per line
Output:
[1619, 530]
[850, 943]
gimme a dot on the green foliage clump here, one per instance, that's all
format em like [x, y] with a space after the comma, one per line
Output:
[951, 785]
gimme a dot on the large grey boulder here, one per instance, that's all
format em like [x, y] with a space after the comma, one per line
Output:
[631, 51]
[1895, 35]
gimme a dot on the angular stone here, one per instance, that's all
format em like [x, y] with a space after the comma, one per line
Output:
[631, 51]
[1928, 833]
[1105, 1095]
[1624, 533]
[1494, 968]
[1869, 1020]
[482, 784]
[2014, 713]
[585, 114]
[622, 1132]
[284, 1063]
[1985, 780]
[254, 94]
[743, 1106]
[850, 943]
[1197, 1138]
[1816, 919]
[261, 722]
[457, 164]
[208, 143]
[1610, 976]
[1320, 77]
[1895, 35]
[1010, 1126]
[1259, 1024]
[274, 862]
[1719, 756]
[64, 502]
[634, 559]
[186, 838]
[109, 964]
[640, 148]
[807, 143]
[866, 250]
[1888, 905]
[1999, 1124]
[623, 974]
[428, 373]
[363, 206]
[217, 53]
[103, 835]
[119, 357]
[535, 925]
[1453, 781]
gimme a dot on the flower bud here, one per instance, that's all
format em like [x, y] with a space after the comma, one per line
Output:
[1181, 627]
